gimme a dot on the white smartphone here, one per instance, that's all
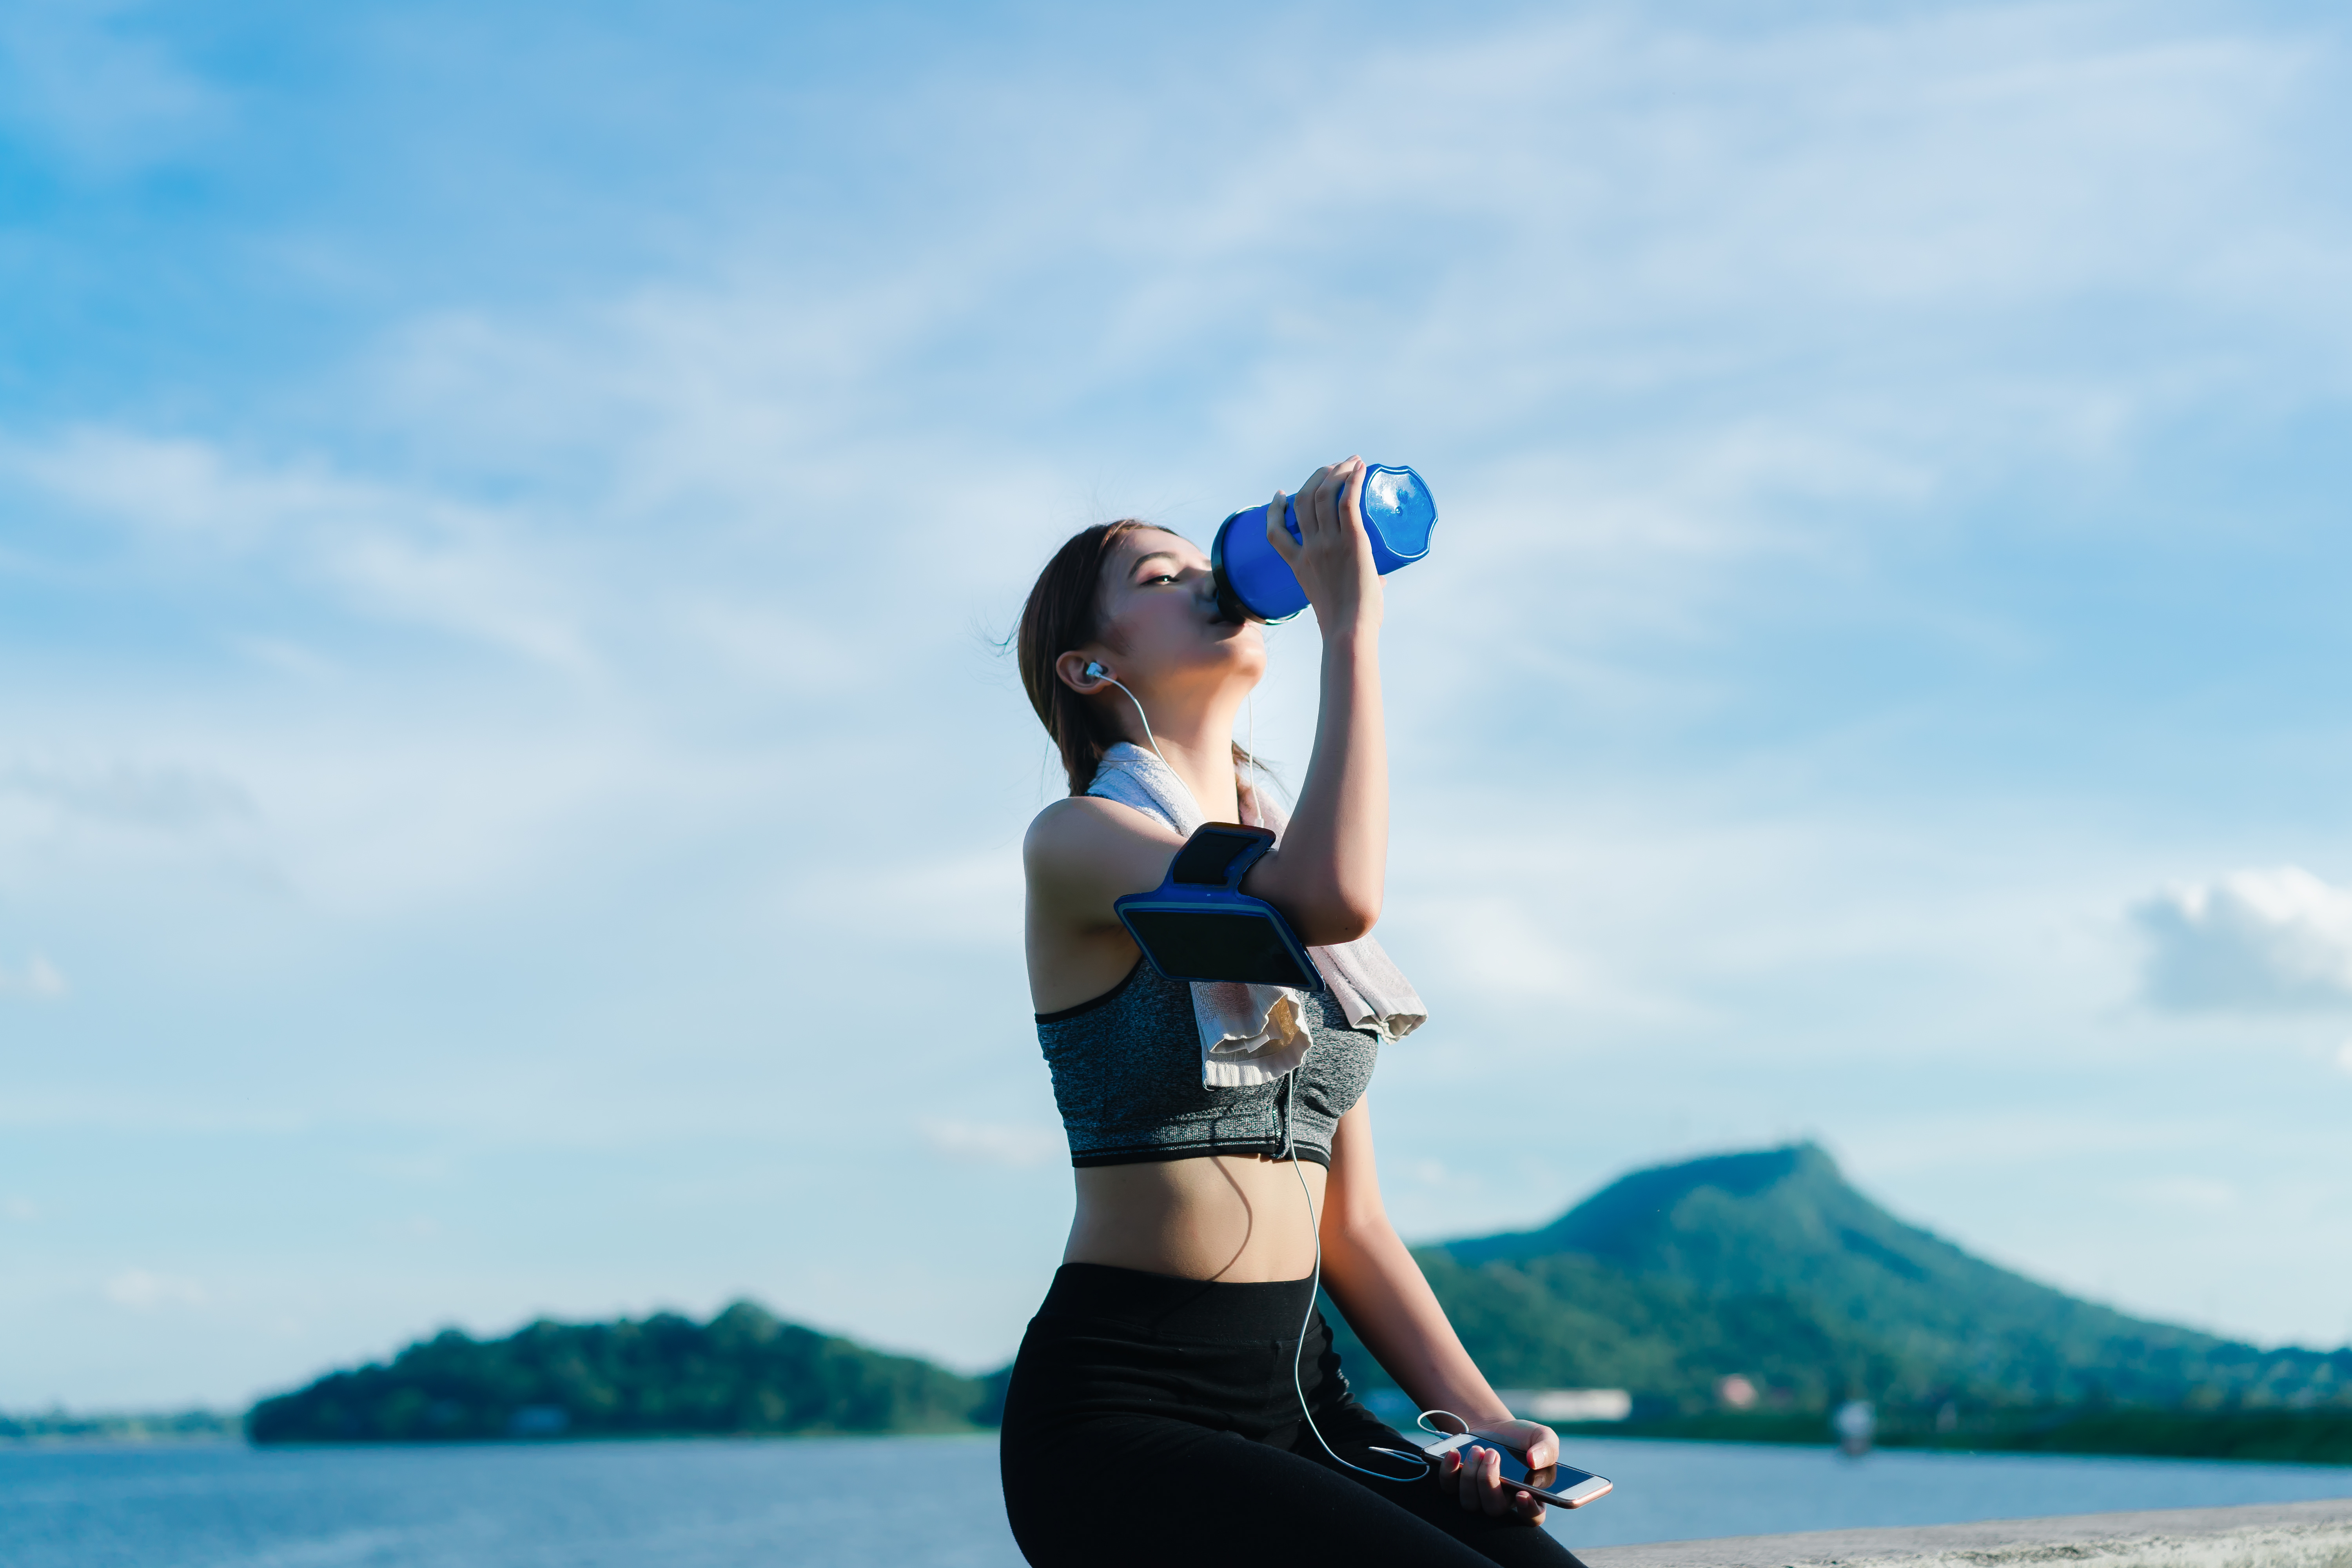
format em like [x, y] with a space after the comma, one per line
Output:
[1564, 1485]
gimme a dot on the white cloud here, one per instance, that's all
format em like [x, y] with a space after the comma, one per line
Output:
[38, 979]
[1654, 209]
[401, 554]
[2197, 1195]
[995, 1144]
[163, 798]
[145, 1292]
[22, 1209]
[1502, 946]
[970, 900]
[2343, 1056]
[2255, 941]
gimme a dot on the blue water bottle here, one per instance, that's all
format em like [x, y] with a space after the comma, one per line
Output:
[1256, 584]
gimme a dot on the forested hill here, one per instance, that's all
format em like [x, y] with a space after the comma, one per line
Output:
[741, 1371]
[1769, 1265]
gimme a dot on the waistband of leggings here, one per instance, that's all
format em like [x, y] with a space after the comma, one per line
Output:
[1163, 1306]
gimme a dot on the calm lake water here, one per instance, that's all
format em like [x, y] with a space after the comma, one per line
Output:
[923, 1503]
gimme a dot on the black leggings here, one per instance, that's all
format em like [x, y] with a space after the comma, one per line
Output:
[1152, 1420]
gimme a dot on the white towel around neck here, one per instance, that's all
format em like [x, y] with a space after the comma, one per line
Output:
[1254, 1034]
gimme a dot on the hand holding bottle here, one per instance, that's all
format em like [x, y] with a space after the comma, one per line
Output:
[1251, 555]
[1332, 556]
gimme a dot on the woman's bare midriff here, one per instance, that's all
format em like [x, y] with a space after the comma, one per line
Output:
[1229, 1217]
[1238, 1218]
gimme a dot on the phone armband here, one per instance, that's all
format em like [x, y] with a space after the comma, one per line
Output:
[1198, 924]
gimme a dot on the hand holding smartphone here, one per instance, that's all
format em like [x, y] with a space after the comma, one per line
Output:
[1563, 1485]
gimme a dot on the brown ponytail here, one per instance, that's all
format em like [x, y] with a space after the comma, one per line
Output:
[1064, 612]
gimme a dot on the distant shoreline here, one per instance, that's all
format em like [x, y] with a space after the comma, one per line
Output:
[135, 1426]
[2318, 1437]
[2316, 1440]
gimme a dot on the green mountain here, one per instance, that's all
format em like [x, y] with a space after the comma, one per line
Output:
[1770, 1266]
[741, 1371]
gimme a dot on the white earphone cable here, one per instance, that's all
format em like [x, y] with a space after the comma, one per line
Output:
[1315, 1229]
[1140, 713]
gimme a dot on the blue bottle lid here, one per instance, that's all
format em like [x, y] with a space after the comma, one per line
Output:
[1399, 513]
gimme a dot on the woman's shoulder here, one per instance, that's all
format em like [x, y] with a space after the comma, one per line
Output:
[1083, 823]
[1084, 839]
[1071, 814]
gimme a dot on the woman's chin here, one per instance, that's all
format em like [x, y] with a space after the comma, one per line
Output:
[1244, 639]
[1246, 663]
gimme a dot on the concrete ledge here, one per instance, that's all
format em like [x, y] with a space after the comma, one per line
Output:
[2265, 1535]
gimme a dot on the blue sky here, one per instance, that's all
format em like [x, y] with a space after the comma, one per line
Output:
[506, 803]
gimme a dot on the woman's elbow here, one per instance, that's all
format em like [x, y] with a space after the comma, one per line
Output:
[1344, 919]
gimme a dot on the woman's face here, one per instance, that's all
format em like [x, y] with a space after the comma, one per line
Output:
[1160, 619]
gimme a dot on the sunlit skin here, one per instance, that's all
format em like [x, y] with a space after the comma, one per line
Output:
[1225, 1217]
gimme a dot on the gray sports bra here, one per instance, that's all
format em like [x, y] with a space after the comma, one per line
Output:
[1126, 1076]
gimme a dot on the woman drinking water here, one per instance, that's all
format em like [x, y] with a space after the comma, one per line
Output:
[1176, 1399]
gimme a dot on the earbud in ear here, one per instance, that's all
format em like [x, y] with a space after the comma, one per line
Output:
[1095, 671]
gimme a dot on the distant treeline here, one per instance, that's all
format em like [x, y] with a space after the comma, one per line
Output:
[184, 1425]
[2284, 1437]
[742, 1372]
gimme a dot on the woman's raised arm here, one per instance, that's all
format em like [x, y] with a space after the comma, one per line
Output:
[1326, 876]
